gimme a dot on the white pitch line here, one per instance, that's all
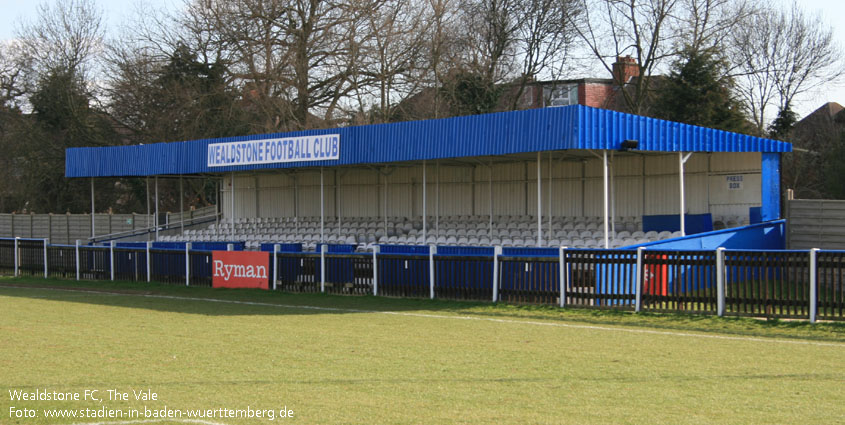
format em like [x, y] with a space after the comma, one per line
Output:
[153, 421]
[440, 316]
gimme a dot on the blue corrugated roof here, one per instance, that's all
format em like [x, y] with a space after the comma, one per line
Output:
[535, 130]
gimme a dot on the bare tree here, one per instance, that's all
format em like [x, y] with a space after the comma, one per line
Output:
[67, 35]
[491, 28]
[440, 52]
[640, 29]
[544, 38]
[781, 54]
[291, 57]
[13, 66]
[388, 60]
[810, 56]
[709, 24]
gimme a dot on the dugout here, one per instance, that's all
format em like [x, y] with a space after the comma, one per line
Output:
[534, 169]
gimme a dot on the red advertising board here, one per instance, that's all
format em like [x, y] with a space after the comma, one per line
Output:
[240, 269]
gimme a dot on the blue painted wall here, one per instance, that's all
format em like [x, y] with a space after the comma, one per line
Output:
[694, 223]
[770, 186]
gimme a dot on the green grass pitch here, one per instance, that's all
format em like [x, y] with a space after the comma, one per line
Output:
[368, 360]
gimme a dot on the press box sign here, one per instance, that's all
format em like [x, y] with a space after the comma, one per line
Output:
[324, 147]
[240, 269]
[734, 182]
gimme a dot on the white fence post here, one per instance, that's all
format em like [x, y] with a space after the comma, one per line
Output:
[564, 276]
[639, 281]
[376, 250]
[111, 260]
[323, 249]
[814, 284]
[275, 265]
[432, 249]
[188, 263]
[720, 281]
[149, 266]
[45, 259]
[497, 251]
[17, 257]
[77, 260]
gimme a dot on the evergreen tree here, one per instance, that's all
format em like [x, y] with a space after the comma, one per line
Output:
[469, 93]
[63, 116]
[783, 123]
[698, 92]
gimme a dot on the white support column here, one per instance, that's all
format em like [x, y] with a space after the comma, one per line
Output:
[338, 211]
[490, 195]
[111, 260]
[232, 203]
[606, 194]
[720, 281]
[93, 228]
[432, 249]
[563, 277]
[497, 251]
[147, 179]
[76, 249]
[376, 250]
[681, 179]
[256, 197]
[612, 198]
[188, 264]
[814, 285]
[149, 266]
[17, 256]
[46, 271]
[323, 249]
[181, 206]
[437, 198]
[322, 209]
[425, 209]
[156, 205]
[682, 159]
[549, 200]
[296, 204]
[384, 200]
[275, 265]
[539, 203]
[639, 281]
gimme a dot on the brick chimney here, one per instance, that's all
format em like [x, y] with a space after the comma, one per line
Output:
[624, 69]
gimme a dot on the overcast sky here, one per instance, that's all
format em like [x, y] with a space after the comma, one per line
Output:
[118, 11]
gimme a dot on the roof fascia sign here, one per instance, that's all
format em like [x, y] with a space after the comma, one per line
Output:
[323, 147]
